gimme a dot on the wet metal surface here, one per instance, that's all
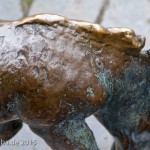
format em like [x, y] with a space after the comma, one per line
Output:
[55, 72]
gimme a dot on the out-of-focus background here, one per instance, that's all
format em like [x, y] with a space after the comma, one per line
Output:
[134, 14]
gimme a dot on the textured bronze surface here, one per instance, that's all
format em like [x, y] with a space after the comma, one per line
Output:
[55, 72]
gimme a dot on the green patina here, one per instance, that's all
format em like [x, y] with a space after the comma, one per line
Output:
[77, 131]
[106, 80]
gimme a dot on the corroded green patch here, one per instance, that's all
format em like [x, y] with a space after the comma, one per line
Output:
[77, 133]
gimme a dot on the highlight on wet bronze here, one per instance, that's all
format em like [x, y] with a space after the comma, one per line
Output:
[55, 72]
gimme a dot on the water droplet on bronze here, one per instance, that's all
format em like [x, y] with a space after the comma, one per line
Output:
[21, 55]
[52, 38]
[55, 25]
[98, 52]
[1, 40]
[36, 71]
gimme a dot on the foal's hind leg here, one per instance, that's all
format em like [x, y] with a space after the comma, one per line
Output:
[70, 134]
[9, 129]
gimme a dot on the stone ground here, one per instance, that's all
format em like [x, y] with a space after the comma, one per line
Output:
[115, 13]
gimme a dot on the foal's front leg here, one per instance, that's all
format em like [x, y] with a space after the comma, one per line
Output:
[70, 134]
[9, 129]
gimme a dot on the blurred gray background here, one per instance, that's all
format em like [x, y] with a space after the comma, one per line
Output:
[134, 14]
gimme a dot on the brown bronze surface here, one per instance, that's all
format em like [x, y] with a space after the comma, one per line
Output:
[55, 71]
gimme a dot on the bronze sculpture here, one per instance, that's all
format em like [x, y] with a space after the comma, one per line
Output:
[55, 72]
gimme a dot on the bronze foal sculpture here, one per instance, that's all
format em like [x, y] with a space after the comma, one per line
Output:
[55, 72]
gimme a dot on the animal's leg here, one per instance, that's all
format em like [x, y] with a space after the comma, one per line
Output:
[9, 129]
[70, 134]
[116, 145]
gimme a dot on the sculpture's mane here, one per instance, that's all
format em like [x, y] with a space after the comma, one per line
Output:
[124, 39]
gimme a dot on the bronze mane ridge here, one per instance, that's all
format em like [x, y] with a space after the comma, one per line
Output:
[55, 72]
